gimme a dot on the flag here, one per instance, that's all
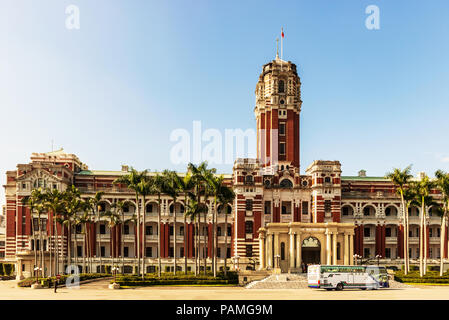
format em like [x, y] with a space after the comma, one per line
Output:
[282, 32]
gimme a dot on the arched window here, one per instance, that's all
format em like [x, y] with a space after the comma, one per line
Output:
[286, 183]
[281, 86]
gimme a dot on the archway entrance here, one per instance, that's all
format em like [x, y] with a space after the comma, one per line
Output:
[311, 251]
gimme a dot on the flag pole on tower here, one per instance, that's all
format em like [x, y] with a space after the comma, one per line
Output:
[282, 38]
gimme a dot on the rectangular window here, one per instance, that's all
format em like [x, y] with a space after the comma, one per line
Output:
[366, 232]
[218, 231]
[102, 229]
[438, 232]
[181, 250]
[219, 252]
[327, 206]
[126, 252]
[387, 253]
[267, 207]
[229, 231]
[126, 229]
[388, 232]
[79, 251]
[249, 250]
[430, 232]
[181, 231]
[149, 230]
[228, 252]
[366, 252]
[171, 230]
[149, 252]
[305, 207]
[249, 204]
[282, 128]
[282, 148]
[170, 252]
[103, 251]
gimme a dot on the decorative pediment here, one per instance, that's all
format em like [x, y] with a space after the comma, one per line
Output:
[311, 242]
[39, 174]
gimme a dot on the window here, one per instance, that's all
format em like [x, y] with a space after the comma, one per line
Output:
[149, 252]
[387, 253]
[126, 229]
[228, 252]
[249, 250]
[171, 230]
[282, 128]
[249, 179]
[388, 211]
[229, 231]
[267, 207]
[248, 227]
[219, 252]
[282, 148]
[249, 204]
[126, 208]
[286, 183]
[305, 207]
[79, 251]
[282, 250]
[78, 229]
[281, 86]
[430, 232]
[126, 252]
[149, 207]
[366, 232]
[327, 206]
[366, 252]
[338, 250]
[35, 224]
[327, 180]
[103, 251]
[438, 232]
[102, 229]
[149, 230]
[284, 210]
[219, 231]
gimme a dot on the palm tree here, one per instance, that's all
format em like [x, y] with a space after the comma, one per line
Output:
[401, 178]
[186, 186]
[443, 184]
[194, 211]
[226, 197]
[215, 184]
[145, 188]
[32, 203]
[84, 219]
[158, 187]
[54, 202]
[96, 214]
[118, 208]
[131, 181]
[422, 189]
[113, 221]
[172, 188]
[72, 207]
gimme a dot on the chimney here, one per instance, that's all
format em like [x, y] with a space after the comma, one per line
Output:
[124, 168]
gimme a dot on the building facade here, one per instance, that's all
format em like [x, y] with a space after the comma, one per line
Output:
[279, 219]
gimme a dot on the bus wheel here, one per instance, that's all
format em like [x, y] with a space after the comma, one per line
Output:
[339, 287]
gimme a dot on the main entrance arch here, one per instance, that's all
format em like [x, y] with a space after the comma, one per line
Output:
[311, 251]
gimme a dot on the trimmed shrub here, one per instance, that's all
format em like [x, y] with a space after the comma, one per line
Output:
[8, 269]
[48, 282]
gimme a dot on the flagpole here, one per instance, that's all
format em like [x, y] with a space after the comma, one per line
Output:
[282, 39]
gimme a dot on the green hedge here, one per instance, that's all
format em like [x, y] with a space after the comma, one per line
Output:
[179, 279]
[8, 269]
[430, 277]
[48, 282]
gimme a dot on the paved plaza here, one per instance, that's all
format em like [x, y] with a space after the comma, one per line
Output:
[99, 291]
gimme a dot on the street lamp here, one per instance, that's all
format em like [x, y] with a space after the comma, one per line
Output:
[36, 271]
[278, 258]
[356, 256]
[114, 270]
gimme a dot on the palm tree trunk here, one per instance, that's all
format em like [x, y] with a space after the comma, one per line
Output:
[99, 240]
[214, 237]
[50, 243]
[138, 233]
[123, 242]
[34, 246]
[144, 233]
[159, 236]
[421, 242]
[174, 235]
[425, 242]
[442, 236]
[205, 242]
[185, 235]
[405, 213]
[196, 226]
[226, 242]
[407, 242]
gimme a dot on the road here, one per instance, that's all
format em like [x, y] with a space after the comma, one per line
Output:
[99, 291]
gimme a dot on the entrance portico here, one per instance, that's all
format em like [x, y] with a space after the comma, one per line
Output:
[284, 246]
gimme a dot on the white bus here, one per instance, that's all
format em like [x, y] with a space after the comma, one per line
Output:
[340, 277]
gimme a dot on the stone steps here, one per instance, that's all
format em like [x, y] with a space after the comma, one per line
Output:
[280, 281]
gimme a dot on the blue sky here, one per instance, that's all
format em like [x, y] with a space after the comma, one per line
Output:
[113, 91]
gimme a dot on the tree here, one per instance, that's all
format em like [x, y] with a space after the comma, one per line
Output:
[113, 219]
[422, 189]
[172, 188]
[194, 211]
[226, 197]
[401, 178]
[145, 188]
[442, 183]
[186, 186]
[158, 188]
[131, 181]
[119, 209]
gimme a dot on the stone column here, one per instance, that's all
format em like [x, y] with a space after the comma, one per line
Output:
[334, 248]
[298, 250]
[328, 247]
[269, 250]
[351, 249]
[276, 249]
[262, 250]
[346, 257]
[292, 250]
